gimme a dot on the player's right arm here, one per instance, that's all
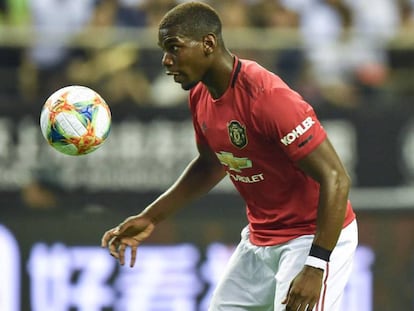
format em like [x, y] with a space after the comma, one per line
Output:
[199, 177]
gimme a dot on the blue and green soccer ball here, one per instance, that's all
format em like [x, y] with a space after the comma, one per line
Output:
[75, 120]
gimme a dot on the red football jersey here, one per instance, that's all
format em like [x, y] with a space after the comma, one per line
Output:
[258, 129]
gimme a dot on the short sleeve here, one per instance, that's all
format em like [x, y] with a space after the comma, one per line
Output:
[285, 118]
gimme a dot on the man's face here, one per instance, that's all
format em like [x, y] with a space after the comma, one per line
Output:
[183, 58]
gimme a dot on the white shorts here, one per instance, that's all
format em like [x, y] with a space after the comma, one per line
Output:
[257, 278]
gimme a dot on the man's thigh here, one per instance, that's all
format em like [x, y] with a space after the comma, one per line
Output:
[248, 283]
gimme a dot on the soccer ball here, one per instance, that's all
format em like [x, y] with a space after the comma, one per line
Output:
[75, 120]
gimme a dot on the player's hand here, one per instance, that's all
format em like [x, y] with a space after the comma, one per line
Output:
[130, 233]
[304, 291]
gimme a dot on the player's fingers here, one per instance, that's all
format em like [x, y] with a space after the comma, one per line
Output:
[292, 304]
[113, 246]
[302, 307]
[111, 234]
[306, 307]
[293, 307]
[121, 253]
[297, 304]
[108, 235]
[122, 227]
[133, 255]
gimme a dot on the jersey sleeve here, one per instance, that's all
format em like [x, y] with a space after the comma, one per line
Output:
[285, 118]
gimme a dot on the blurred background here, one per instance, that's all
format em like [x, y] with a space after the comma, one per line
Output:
[352, 60]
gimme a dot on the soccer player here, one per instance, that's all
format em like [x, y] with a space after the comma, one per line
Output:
[296, 252]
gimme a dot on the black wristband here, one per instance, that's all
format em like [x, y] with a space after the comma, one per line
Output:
[320, 252]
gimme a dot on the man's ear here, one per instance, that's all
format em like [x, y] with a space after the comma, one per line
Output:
[209, 43]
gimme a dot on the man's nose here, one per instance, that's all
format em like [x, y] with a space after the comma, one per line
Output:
[167, 60]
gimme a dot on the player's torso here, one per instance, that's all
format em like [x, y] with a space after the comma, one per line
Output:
[242, 128]
[240, 148]
[255, 163]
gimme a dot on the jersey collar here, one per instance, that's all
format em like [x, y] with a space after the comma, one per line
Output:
[236, 71]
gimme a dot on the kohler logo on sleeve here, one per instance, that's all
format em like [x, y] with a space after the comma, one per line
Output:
[298, 131]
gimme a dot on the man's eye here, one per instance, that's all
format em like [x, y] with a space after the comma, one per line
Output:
[173, 48]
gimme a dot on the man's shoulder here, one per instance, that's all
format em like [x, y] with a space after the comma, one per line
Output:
[256, 73]
[253, 67]
[258, 80]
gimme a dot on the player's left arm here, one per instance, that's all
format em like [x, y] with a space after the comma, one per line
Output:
[324, 166]
[301, 136]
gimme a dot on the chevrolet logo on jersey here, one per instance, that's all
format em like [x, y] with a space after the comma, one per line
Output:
[232, 162]
[237, 134]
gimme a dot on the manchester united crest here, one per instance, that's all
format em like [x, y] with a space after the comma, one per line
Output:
[237, 134]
